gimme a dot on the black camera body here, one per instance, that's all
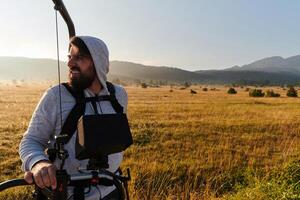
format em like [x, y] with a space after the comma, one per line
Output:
[101, 135]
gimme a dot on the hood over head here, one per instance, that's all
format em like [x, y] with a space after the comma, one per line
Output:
[100, 55]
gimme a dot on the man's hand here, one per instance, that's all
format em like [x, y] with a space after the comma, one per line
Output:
[43, 173]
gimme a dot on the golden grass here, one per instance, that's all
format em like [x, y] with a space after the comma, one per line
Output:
[186, 146]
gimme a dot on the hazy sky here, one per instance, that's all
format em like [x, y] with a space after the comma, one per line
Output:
[191, 34]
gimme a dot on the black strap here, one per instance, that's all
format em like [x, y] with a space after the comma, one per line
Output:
[70, 124]
[111, 98]
[114, 102]
[77, 111]
[94, 101]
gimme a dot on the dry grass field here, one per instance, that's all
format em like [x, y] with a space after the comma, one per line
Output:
[209, 145]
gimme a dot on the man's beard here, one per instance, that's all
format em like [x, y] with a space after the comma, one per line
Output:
[82, 81]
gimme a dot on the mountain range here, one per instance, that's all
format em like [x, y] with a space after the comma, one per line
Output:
[271, 70]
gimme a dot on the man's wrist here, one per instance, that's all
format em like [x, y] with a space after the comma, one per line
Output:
[32, 160]
[40, 161]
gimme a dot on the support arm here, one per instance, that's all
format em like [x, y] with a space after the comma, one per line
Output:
[59, 6]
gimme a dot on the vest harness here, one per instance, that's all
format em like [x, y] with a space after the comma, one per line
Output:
[70, 125]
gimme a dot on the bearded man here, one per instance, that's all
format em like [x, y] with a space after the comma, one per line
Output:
[88, 63]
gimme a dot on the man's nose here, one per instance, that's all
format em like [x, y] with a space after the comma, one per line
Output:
[71, 63]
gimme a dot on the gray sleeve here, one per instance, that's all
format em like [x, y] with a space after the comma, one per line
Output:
[122, 97]
[41, 128]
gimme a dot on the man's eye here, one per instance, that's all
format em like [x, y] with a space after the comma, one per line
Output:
[79, 57]
[76, 57]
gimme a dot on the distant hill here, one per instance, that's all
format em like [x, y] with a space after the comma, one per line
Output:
[275, 64]
[244, 77]
[273, 70]
[138, 71]
[143, 72]
[20, 68]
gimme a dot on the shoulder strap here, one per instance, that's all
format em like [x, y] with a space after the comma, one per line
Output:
[113, 100]
[111, 88]
[77, 111]
[70, 124]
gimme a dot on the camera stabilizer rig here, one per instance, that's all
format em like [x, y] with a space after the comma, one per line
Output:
[97, 176]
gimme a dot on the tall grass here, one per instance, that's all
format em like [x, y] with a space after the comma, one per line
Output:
[209, 145]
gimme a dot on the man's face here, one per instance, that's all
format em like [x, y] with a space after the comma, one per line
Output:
[81, 69]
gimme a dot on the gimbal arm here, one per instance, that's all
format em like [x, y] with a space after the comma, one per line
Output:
[59, 6]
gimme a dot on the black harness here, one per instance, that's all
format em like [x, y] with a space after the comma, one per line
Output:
[70, 125]
[77, 111]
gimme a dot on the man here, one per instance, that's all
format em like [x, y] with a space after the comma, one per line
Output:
[88, 65]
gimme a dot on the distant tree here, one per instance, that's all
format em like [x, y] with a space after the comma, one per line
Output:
[144, 85]
[187, 84]
[231, 91]
[152, 82]
[163, 82]
[292, 92]
[271, 93]
[138, 81]
[256, 93]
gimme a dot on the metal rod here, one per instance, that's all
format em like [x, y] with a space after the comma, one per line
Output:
[59, 6]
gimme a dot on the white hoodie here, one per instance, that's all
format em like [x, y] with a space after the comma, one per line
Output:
[45, 121]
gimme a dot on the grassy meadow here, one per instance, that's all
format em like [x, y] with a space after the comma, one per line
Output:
[209, 145]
